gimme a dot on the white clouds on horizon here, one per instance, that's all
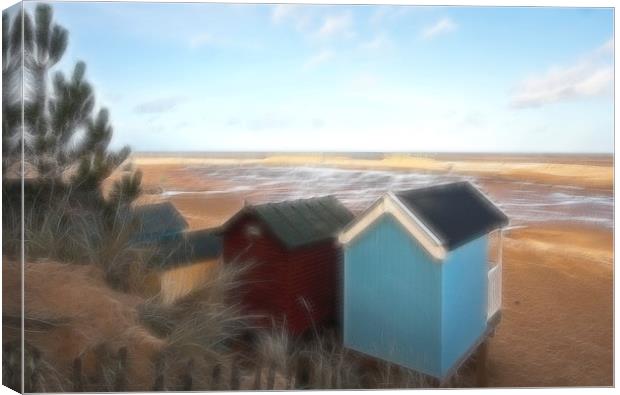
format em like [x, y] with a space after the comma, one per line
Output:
[590, 76]
[160, 105]
[443, 26]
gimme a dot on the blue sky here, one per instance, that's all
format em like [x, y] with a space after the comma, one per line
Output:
[232, 77]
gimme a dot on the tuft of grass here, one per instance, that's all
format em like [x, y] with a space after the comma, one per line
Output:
[202, 330]
[75, 227]
[321, 362]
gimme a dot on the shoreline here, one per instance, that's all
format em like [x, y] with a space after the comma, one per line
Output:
[544, 172]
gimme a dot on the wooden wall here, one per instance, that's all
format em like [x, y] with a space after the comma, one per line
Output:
[392, 298]
[279, 279]
[464, 300]
[180, 281]
[403, 306]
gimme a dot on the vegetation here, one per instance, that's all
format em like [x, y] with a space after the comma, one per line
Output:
[201, 342]
[64, 143]
[213, 346]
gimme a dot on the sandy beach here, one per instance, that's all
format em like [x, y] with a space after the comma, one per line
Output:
[599, 175]
[557, 325]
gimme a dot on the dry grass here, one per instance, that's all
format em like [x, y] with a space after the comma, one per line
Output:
[91, 310]
[198, 335]
[74, 313]
[70, 227]
[321, 362]
[201, 330]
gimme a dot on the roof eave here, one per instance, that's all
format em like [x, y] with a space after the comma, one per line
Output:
[389, 204]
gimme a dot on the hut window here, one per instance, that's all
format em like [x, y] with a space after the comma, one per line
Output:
[252, 230]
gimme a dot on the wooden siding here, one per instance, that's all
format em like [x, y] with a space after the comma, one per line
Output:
[392, 298]
[464, 301]
[403, 306]
[279, 278]
[389, 204]
[182, 280]
[313, 273]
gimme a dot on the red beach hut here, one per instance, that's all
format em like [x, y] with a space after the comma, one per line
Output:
[295, 257]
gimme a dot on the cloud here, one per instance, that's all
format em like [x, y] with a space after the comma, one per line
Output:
[313, 23]
[590, 76]
[605, 49]
[280, 12]
[201, 39]
[275, 120]
[158, 106]
[386, 14]
[318, 59]
[365, 81]
[301, 18]
[336, 25]
[442, 26]
[268, 121]
[378, 43]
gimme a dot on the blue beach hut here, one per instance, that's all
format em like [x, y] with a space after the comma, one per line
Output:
[419, 290]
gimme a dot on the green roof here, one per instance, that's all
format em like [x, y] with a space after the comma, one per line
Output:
[305, 221]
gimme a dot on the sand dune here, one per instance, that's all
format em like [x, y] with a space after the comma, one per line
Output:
[86, 315]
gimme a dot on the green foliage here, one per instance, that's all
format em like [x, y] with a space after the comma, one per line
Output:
[66, 140]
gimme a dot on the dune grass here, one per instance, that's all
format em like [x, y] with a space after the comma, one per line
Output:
[208, 342]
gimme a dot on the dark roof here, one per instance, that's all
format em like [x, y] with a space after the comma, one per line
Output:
[456, 213]
[297, 223]
[187, 248]
[160, 218]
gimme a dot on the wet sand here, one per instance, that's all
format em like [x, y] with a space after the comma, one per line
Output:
[557, 325]
[590, 173]
[557, 322]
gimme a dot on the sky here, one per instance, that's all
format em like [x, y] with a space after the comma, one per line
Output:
[242, 77]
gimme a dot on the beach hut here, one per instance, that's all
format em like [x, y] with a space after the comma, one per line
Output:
[295, 257]
[158, 221]
[418, 287]
[183, 263]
